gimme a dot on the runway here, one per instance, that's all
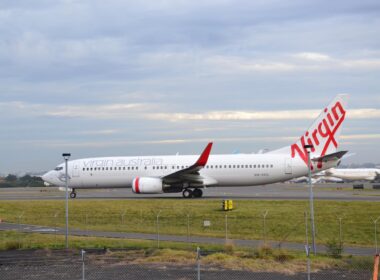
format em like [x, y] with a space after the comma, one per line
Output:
[279, 191]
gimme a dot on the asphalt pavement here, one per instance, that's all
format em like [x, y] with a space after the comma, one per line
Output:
[279, 191]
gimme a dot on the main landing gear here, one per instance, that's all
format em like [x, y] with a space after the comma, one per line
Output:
[73, 194]
[188, 193]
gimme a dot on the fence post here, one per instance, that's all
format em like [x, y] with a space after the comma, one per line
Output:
[375, 222]
[226, 226]
[83, 267]
[158, 229]
[340, 233]
[307, 248]
[122, 217]
[86, 221]
[198, 263]
[55, 227]
[188, 228]
[264, 214]
[19, 229]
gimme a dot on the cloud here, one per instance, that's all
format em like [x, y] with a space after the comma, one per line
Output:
[97, 111]
[313, 56]
[158, 111]
[121, 143]
[238, 64]
[100, 132]
[261, 115]
[360, 136]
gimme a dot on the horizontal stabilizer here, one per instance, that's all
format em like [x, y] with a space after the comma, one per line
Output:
[330, 157]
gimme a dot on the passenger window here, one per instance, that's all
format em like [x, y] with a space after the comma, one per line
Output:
[145, 167]
[83, 169]
[271, 165]
[233, 166]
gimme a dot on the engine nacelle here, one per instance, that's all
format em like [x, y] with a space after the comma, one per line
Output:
[147, 185]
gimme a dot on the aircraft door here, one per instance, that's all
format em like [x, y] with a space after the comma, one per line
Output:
[76, 168]
[288, 166]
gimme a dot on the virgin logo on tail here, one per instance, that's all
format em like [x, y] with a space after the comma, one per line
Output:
[322, 136]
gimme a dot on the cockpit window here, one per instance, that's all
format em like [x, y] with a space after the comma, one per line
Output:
[58, 168]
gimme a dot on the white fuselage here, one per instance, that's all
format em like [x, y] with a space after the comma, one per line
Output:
[221, 170]
[354, 174]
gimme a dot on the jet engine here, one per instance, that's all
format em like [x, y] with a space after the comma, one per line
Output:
[147, 185]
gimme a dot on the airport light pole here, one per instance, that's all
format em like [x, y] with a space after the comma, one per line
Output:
[66, 156]
[311, 197]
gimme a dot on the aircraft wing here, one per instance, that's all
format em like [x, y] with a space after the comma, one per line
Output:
[190, 174]
[329, 157]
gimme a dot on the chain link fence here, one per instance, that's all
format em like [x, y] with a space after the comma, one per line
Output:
[125, 264]
[262, 231]
[265, 227]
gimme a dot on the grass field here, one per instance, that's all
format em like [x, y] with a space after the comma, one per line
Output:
[285, 220]
[228, 257]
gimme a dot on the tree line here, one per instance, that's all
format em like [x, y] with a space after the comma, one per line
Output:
[12, 181]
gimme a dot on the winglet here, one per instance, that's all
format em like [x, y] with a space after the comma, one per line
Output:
[204, 156]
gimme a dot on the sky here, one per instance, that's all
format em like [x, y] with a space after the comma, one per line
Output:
[110, 78]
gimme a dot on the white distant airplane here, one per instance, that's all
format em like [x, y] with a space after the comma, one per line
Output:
[351, 174]
[189, 173]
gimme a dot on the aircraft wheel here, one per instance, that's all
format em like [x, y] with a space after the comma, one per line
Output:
[73, 194]
[187, 193]
[197, 193]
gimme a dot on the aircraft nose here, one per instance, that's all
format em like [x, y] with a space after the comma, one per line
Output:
[47, 177]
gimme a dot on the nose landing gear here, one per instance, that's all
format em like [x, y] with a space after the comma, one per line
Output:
[73, 194]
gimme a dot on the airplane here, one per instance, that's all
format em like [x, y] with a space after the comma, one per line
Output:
[190, 174]
[316, 179]
[352, 174]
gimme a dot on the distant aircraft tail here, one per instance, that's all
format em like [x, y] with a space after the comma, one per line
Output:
[323, 134]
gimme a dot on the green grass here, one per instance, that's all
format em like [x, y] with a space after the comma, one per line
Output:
[285, 219]
[227, 257]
